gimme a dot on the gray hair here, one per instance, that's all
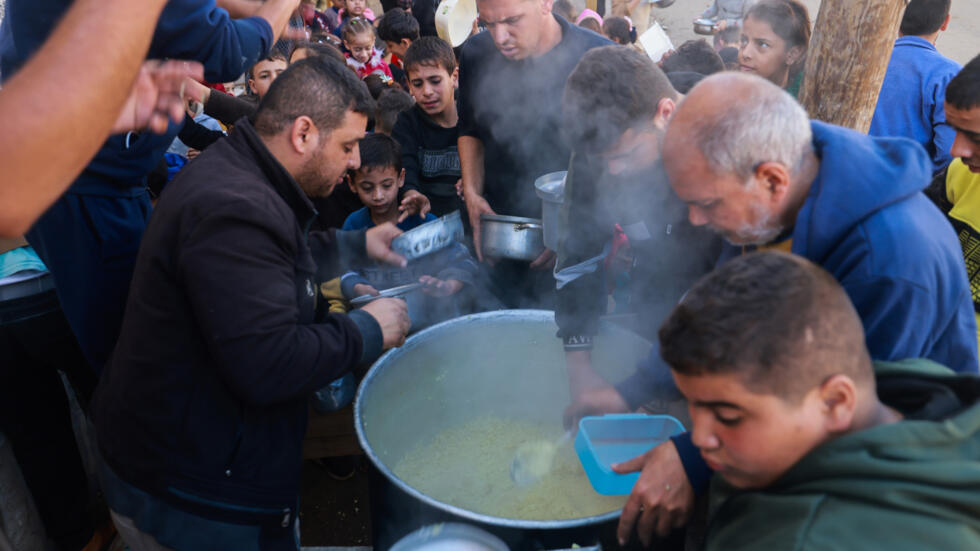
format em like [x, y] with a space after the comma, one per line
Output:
[768, 127]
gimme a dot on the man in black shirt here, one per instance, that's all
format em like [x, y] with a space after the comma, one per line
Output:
[511, 79]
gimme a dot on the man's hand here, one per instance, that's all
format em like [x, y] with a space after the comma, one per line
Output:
[413, 202]
[475, 206]
[662, 499]
[392, 315]
[378, 244]
[439, 288]
[362, 289]
[157, 96]
[545, 260]
[598, 400]
[459, 189]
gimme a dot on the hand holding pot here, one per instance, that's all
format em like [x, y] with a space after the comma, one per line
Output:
[475, 206]
[598, 400]
[545, 261]
[662, 499]
[378, 244]
[392, 315]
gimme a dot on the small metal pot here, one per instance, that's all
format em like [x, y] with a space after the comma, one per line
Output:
[511, 237]
[429, 237]
[551, 189]
[450, 535]
[412, 295]
[705, 26]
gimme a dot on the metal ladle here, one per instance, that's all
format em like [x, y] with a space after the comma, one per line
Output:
[533, 460]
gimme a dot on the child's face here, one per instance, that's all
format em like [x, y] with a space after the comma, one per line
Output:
[762, 52]
[361, 46]
[355, 8]
[398, 48]
[432, 87]
[377, 187]
[264, 73]
[750, 439]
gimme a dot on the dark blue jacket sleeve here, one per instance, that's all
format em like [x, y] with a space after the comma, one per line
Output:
[201, 31]
[698, 473]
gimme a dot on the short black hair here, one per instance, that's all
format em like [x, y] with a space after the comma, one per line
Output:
[391, 102]
[592, 24]
[376, 84]
[729, 34]
[778, 321]
[924, 17]
[430, 50]
[397, 24]
[318, 48]
[274, 55]
[321, 88]
[380, 151]
[611, 89]
[695, 56]
[618, 29]
[963, 92]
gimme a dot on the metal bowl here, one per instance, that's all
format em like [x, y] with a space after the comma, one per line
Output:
[429, 237]
[511, 237]
[450, 535]
[705, 26]
[412, 295]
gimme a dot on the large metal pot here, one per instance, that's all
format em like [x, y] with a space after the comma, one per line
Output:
[511, 237]
[505, 363]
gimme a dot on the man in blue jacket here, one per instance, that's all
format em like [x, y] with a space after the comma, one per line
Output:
[757, 171]
[911, 100]
[89, 237]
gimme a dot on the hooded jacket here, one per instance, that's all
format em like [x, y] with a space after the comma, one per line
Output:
[914, 484]
[867, 222]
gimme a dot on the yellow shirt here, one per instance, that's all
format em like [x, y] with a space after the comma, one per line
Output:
[963, 192]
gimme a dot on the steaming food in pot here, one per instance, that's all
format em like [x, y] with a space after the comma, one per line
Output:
[468, 466]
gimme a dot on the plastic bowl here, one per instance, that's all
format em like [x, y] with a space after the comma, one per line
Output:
[604, 441]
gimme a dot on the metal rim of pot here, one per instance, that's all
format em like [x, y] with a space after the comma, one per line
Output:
[394, 292]
[522, 223]
[387, 358]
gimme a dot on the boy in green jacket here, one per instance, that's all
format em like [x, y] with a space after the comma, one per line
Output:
[812, 447]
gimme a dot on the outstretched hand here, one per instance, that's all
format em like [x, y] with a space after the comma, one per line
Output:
[662, 499]
[157, 96]
[413, 202]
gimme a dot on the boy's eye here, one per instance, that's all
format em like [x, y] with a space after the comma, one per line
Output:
[416, 83]
[727, 421]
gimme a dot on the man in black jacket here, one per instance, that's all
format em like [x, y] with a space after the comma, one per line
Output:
[202, 410]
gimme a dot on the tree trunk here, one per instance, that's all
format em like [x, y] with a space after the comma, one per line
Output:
[848, 55]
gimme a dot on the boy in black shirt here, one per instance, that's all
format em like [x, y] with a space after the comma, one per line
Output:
[427, 132]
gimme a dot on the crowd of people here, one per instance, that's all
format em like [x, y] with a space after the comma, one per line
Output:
[812, 292]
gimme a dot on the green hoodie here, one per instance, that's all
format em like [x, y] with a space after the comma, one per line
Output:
[914, 484]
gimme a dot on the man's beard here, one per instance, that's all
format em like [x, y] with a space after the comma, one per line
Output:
[763, 232]
[312, 179]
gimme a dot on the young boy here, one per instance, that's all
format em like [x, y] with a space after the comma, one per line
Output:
[445, 273]
[263, 73]
[398, 29]
[814, 446]
[427, 133]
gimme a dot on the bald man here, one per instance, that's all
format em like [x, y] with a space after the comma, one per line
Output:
[743, 156]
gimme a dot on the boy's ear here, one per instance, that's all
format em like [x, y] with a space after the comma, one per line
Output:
[350, 181]
[406, 42]
[401, 178]
[455, 77]
[839, 396]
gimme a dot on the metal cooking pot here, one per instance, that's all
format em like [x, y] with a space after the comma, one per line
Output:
[412, 295]
[511, 237]
[506, 363]
[551, 189]
[429, 237]
[705, 26]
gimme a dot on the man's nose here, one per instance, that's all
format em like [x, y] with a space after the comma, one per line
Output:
[354, 161]
[500, 35]
[696, 216]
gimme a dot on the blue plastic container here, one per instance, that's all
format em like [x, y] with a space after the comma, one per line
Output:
[603, 441]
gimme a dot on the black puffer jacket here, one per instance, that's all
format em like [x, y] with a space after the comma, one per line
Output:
[204, 403]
